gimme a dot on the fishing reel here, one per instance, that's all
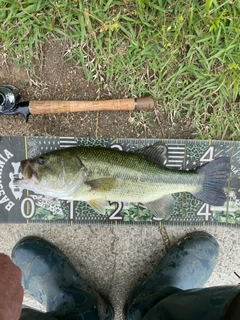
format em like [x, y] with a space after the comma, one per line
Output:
[10, 101]
[9, 98]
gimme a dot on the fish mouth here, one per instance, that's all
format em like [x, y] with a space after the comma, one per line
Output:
[28, 172]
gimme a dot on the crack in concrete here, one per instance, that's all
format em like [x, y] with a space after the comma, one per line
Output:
[165, 237]
[114, 262]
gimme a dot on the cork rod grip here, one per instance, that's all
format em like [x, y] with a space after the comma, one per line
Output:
[46, 107]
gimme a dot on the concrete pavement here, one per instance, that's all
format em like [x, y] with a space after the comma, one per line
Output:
[114, 259]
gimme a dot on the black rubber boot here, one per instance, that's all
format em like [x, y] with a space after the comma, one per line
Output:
[51, 279]
[214, 303]
[187, 265]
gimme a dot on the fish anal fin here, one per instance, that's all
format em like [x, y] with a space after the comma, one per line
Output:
[101, 185]
[162, 207]
[98, 205]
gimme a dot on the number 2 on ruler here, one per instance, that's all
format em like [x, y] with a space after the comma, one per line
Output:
[114, 216]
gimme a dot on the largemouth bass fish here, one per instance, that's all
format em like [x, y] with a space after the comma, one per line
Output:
[98, 175]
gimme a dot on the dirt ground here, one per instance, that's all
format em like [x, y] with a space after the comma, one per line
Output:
[54, 79]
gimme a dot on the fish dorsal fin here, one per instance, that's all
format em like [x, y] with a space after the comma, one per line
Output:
[162, 207]
[98, 205]
[157, 153]
[101, 185]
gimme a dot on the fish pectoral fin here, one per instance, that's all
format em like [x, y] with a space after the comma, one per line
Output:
[98, 205]
[162, 207]
[101, 185]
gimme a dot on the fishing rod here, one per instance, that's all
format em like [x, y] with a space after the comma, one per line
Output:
[10, 104]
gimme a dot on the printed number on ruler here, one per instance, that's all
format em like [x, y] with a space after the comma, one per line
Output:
[157, 219]
[28, 208]
[116, 146]
[208, 155]
[71, 209]
[205, 211]
[114, 216]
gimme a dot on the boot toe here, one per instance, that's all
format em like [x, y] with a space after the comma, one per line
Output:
[49, 276]
[187, 265]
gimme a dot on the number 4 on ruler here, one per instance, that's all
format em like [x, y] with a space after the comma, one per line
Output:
[205, 211]
[208, 155]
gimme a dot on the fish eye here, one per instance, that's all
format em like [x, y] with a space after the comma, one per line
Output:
[41, 160]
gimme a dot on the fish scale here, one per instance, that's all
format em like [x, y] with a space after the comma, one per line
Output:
[142, 178]
[183, 155]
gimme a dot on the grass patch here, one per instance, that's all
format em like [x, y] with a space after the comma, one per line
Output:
[184, 54]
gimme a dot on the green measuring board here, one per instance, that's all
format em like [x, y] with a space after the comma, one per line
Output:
[17, 206]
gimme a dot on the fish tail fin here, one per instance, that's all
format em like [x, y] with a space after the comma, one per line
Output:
[215, 175]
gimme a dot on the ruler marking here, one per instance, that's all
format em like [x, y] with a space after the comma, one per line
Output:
[68, 141]
[235, 154]
[216, 154]
[174, 165]
[175, 161]
[176, 152]
[66, 138]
